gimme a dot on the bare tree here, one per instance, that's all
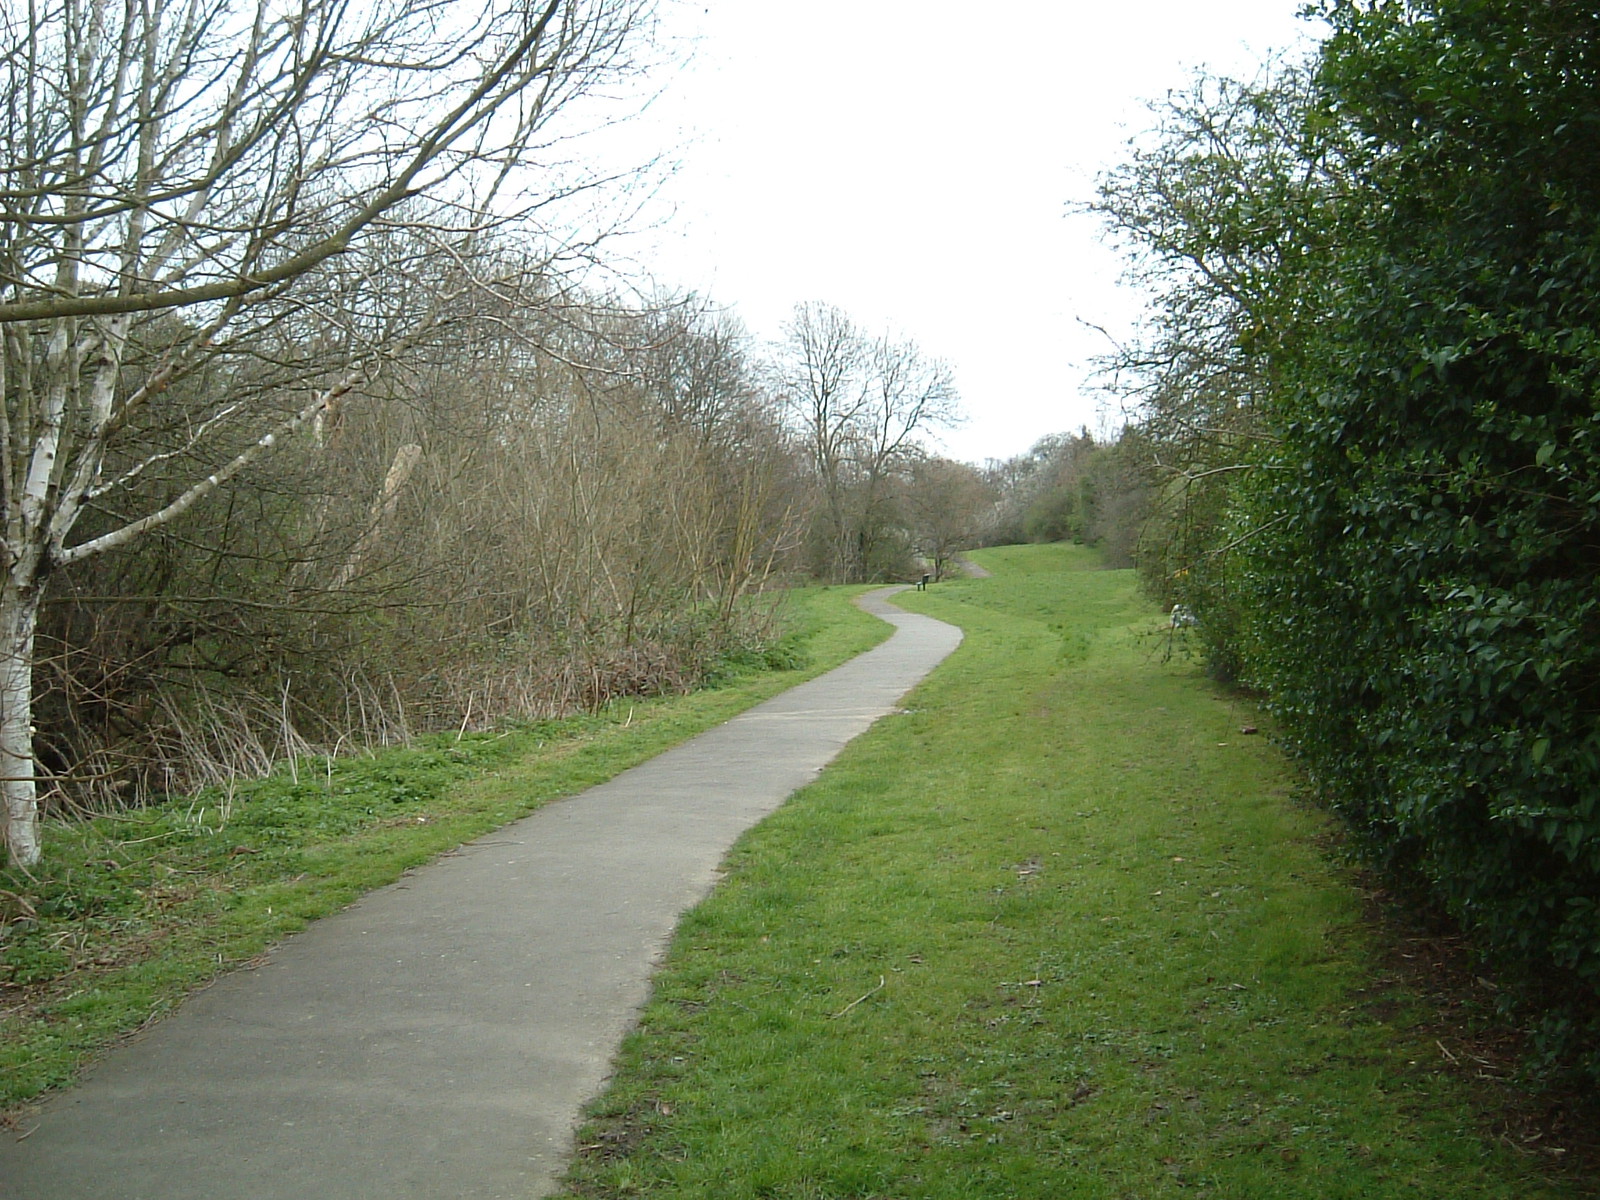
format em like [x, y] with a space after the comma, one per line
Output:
[822, 380]
[860, 404]
[910, 395]
[950, 507]
[185, 187]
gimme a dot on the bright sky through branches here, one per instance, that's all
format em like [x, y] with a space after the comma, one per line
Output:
[911, 161]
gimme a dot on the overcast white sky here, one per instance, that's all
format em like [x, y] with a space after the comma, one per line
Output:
[912, 162]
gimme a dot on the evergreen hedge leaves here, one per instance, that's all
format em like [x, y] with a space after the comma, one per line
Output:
[1426, 591]
[1375, 383]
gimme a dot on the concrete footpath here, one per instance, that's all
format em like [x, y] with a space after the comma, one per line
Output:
[438, 1038]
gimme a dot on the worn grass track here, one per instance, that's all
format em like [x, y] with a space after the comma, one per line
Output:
[1059, 930]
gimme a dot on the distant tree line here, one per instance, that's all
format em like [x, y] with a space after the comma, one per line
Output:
[1073, 487]
[1370, 393]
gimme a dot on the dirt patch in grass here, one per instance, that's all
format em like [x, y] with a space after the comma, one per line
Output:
[617, 1135]
[1423, 954]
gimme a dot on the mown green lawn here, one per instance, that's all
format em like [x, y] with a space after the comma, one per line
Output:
[1060, 929]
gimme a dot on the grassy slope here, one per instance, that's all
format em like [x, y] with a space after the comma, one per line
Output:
[126, 916]
[1057, 931]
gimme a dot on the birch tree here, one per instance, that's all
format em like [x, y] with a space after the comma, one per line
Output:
[177, 180]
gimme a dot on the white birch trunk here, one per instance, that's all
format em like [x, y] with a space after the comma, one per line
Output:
[388, 499]
[19, 615]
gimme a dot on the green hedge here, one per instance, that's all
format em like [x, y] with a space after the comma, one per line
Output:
[1427, 597]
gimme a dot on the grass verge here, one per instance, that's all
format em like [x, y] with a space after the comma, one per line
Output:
[128, 914]
[1059, 930]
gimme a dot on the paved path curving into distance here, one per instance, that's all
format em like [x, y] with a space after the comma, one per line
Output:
[438, 1038]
